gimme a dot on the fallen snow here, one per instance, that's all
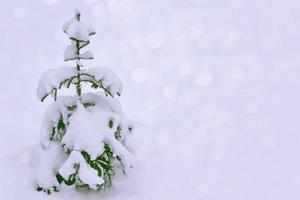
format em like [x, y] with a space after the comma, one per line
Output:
[26, 172]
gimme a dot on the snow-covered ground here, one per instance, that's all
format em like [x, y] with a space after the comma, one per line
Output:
[213, 86]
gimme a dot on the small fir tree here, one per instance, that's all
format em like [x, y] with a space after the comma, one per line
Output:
[83, 136]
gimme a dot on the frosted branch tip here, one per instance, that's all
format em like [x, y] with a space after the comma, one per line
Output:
[77, 14]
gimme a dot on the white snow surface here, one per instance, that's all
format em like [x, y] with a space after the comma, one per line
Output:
[86, 173]
[235, 137]
[52, 115]
[110, 107]
[70, 54]
[45, 163]
[88, 131]
[52, 78]
[78, 30]
[87, 55]
[108, 78]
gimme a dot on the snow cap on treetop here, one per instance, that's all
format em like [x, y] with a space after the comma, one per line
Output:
[77, 14]
[78, 30]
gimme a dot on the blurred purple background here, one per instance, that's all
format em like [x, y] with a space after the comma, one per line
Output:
[216, 82]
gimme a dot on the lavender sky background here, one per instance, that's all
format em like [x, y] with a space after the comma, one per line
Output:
[216, 83]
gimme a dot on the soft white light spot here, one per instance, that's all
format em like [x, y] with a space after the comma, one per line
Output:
[136, 41]
[209, 110]
[140, 75]
[222, 141]
[180, 40]
[202, 191]
[24, 158]
[169, 91]
[217, 155]
[185, 149]
[114, 5]
[59, 36]
[222, 118]
[154, 40]
[89, 1]
[203, 79]
[228, 88]
[236, 4]
[197, 30]
[233, 35]
[123, 8]
[251, 108]
[20, 13]
[151, 105]
[270, 142]
[165, 65]
[154, 76]
[50, 2]
[200, 133]
[99, 10]
[23, 67]
[163, 140]
[236, 73]
[185, 69]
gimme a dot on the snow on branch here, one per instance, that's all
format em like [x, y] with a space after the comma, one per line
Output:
[58, 112]
[56, 119]
[90, 123]
[76, 164]
[72, 54]
[53, 79]
[104, 78]
[48, 162]
[104, 103]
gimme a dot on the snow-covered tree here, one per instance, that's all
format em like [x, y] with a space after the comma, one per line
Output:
[83, 136]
